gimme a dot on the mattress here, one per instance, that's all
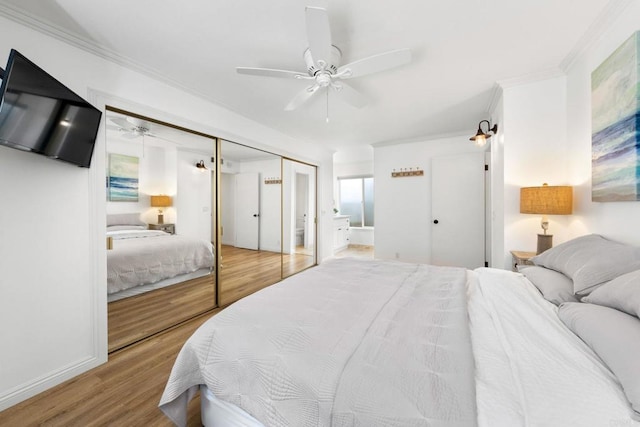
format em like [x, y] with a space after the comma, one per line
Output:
[141, 257]
[530, 370]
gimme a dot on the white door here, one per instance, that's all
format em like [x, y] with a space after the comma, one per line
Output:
[247, 210]
[457, 221]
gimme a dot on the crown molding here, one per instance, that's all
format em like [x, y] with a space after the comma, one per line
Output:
[496, 95]
[45, 27]
[595, 32]
[549, 73]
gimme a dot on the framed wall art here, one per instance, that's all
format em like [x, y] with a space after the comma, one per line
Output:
[122, 178]
[615, 118]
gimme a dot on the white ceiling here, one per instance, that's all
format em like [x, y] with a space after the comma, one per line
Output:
[461, 48]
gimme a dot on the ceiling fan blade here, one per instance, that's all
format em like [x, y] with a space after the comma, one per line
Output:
[268, 72]
[318, 34]
[303, 96]
[351, 96]
[376, 63]
[121, 122]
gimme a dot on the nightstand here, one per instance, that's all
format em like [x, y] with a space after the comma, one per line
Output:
[521, 258]
[167, 228]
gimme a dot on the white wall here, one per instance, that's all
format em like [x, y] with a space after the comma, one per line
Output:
[616, 220]
[546, 137]
[403, 205]
[53, 252]
[194, 196]
[533, 143]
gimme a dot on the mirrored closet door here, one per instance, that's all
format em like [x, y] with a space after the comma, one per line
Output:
[298, 216]
[161, 226]
[250, 250]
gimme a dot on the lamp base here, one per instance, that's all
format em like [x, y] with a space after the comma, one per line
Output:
[545, 241]
[160, 218]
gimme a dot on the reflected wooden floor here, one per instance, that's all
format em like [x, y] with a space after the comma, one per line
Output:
[356, 251]
[137, 317]
[245, 271]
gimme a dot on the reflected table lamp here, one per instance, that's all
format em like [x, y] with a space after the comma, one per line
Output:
[160, 202]
[546, 200]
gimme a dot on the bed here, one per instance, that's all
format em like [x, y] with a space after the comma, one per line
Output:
[142, 260]
[379, 343]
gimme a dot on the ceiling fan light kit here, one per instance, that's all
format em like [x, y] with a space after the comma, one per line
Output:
[323, 59]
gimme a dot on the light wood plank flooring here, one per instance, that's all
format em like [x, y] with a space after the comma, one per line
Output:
[245, 271]
[123, 392]
[134, 318]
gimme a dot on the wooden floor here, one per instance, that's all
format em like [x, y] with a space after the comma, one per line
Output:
[134, 318]
[126, 390]
[123, 392]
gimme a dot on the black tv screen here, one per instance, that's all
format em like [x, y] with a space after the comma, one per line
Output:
[41, 115]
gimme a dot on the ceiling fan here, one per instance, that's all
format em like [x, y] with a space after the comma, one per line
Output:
[131, 128]
[323, 64]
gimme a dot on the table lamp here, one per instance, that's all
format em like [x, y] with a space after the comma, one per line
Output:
[546, 200]
[160, 202]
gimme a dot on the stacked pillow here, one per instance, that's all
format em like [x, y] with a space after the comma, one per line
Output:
[590, 261]
[606, 275]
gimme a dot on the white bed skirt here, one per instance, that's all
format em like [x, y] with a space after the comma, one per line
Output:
[157, 285]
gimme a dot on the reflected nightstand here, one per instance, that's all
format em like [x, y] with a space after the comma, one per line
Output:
[167, 228]
[521, 258]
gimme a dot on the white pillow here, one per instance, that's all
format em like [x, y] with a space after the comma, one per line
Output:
[622, 293]
[615, 337]
[554, 286]
[590, 261]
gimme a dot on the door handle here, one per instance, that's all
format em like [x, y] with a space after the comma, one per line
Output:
[256, 215]
[435, 221]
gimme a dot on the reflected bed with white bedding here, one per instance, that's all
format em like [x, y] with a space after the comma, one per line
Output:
[143, 260]
[379, 343]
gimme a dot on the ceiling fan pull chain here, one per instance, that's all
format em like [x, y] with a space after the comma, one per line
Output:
[327, 105]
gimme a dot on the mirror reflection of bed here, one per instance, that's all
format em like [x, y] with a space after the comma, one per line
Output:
[259, 217]
[160, 227]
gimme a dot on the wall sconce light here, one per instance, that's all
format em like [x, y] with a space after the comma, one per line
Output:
[200, 165]
[546, 200]
[480, 138]
[160, 202]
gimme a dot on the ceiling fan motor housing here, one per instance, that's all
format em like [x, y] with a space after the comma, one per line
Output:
[332, 66]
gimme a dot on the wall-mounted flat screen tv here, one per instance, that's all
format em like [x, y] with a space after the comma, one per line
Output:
[41, 115]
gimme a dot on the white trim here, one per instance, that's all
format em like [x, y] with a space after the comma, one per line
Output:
[595, 32]
[531, 78]
[52, 30]
[38, 385]
[496, 95]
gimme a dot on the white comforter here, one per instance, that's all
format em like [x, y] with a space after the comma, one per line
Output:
[147, 256]
[347, 343]
[530, 369]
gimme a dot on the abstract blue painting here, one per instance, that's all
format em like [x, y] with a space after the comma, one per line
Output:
[122, 178]
[615, 114]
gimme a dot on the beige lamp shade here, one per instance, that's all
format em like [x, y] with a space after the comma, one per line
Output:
[160, 201]
[546, 200]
